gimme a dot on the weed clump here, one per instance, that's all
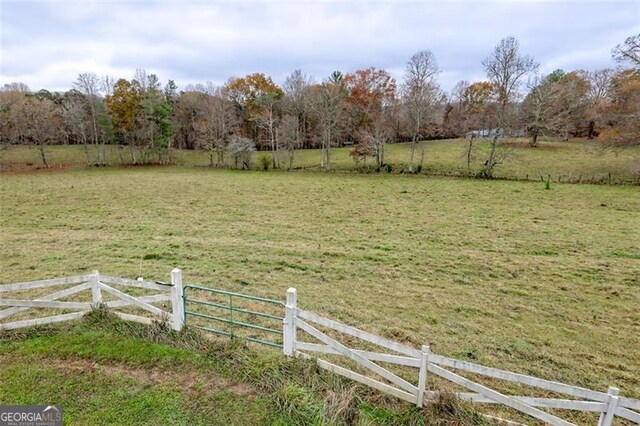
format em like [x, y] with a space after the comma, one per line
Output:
[264, 162]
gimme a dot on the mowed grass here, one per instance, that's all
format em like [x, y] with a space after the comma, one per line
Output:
[507, 274]
[577, 160]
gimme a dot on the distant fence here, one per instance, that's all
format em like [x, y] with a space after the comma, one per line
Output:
[302, 333]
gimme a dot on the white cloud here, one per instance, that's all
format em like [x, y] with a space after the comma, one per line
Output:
[46, 44]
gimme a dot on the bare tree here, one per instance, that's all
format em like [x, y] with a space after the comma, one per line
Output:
[267, 117]
[572, 101]
[505, 69]
[38, 122]
[74, 113]
[89, 85]
[629, 51]
[16, 86]
[142, 77]
[215, 122]
[329, 107]
[540, 109]
[289, 137]
[106, 84]
[296, 88]
[420, 93]
[600, 85]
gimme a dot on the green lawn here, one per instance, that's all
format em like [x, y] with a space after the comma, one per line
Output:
[507, 274]
[577, 160]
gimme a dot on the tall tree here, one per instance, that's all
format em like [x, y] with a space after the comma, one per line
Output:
[77, 120]
[215, 123]
[11, 97]
[573, 101]
[296, 102]
[371, 95]
[624, 110]
[157, 108]
[188, 110]
[38, 121]
[598, 99]
[329, 108]
[505, 69]
[267, 117]
[124, 107]
[540, 108]
[256, 96]
[89, 84]
[420, 93]
[599, 86]
[369, 92]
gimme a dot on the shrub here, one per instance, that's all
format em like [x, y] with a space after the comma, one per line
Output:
[264, 161]
[240, 150]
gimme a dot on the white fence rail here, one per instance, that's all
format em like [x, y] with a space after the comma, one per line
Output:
[98, 284]
[608, 404]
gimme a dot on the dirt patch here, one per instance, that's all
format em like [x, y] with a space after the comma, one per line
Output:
[540, 146]
[22, 168]
[189, 381]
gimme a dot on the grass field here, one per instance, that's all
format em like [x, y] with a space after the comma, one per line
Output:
[508, 274]
[578, 160]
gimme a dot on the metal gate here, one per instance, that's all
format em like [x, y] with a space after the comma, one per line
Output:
[236, 315]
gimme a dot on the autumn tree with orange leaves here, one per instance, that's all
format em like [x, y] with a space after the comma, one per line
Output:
[259, 99]
[371, 93]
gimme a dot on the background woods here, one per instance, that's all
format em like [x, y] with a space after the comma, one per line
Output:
[143, 118]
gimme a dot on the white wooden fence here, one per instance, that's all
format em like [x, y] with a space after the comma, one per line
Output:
[97, 284]
[608, 404]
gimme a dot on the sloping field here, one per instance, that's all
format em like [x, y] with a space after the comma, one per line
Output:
[507, 274]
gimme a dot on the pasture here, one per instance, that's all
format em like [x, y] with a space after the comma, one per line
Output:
[506, 274]
[574, 161]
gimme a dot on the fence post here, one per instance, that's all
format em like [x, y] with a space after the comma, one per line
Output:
[289, 324]
[96, 294]
[177, 307]
[606, 417]
[422, 379]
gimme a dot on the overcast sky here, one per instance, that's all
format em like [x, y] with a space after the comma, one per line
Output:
[47, 43]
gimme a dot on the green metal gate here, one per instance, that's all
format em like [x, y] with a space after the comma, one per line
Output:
[236, 315]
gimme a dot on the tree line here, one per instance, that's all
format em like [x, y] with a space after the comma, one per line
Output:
[365, 109]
